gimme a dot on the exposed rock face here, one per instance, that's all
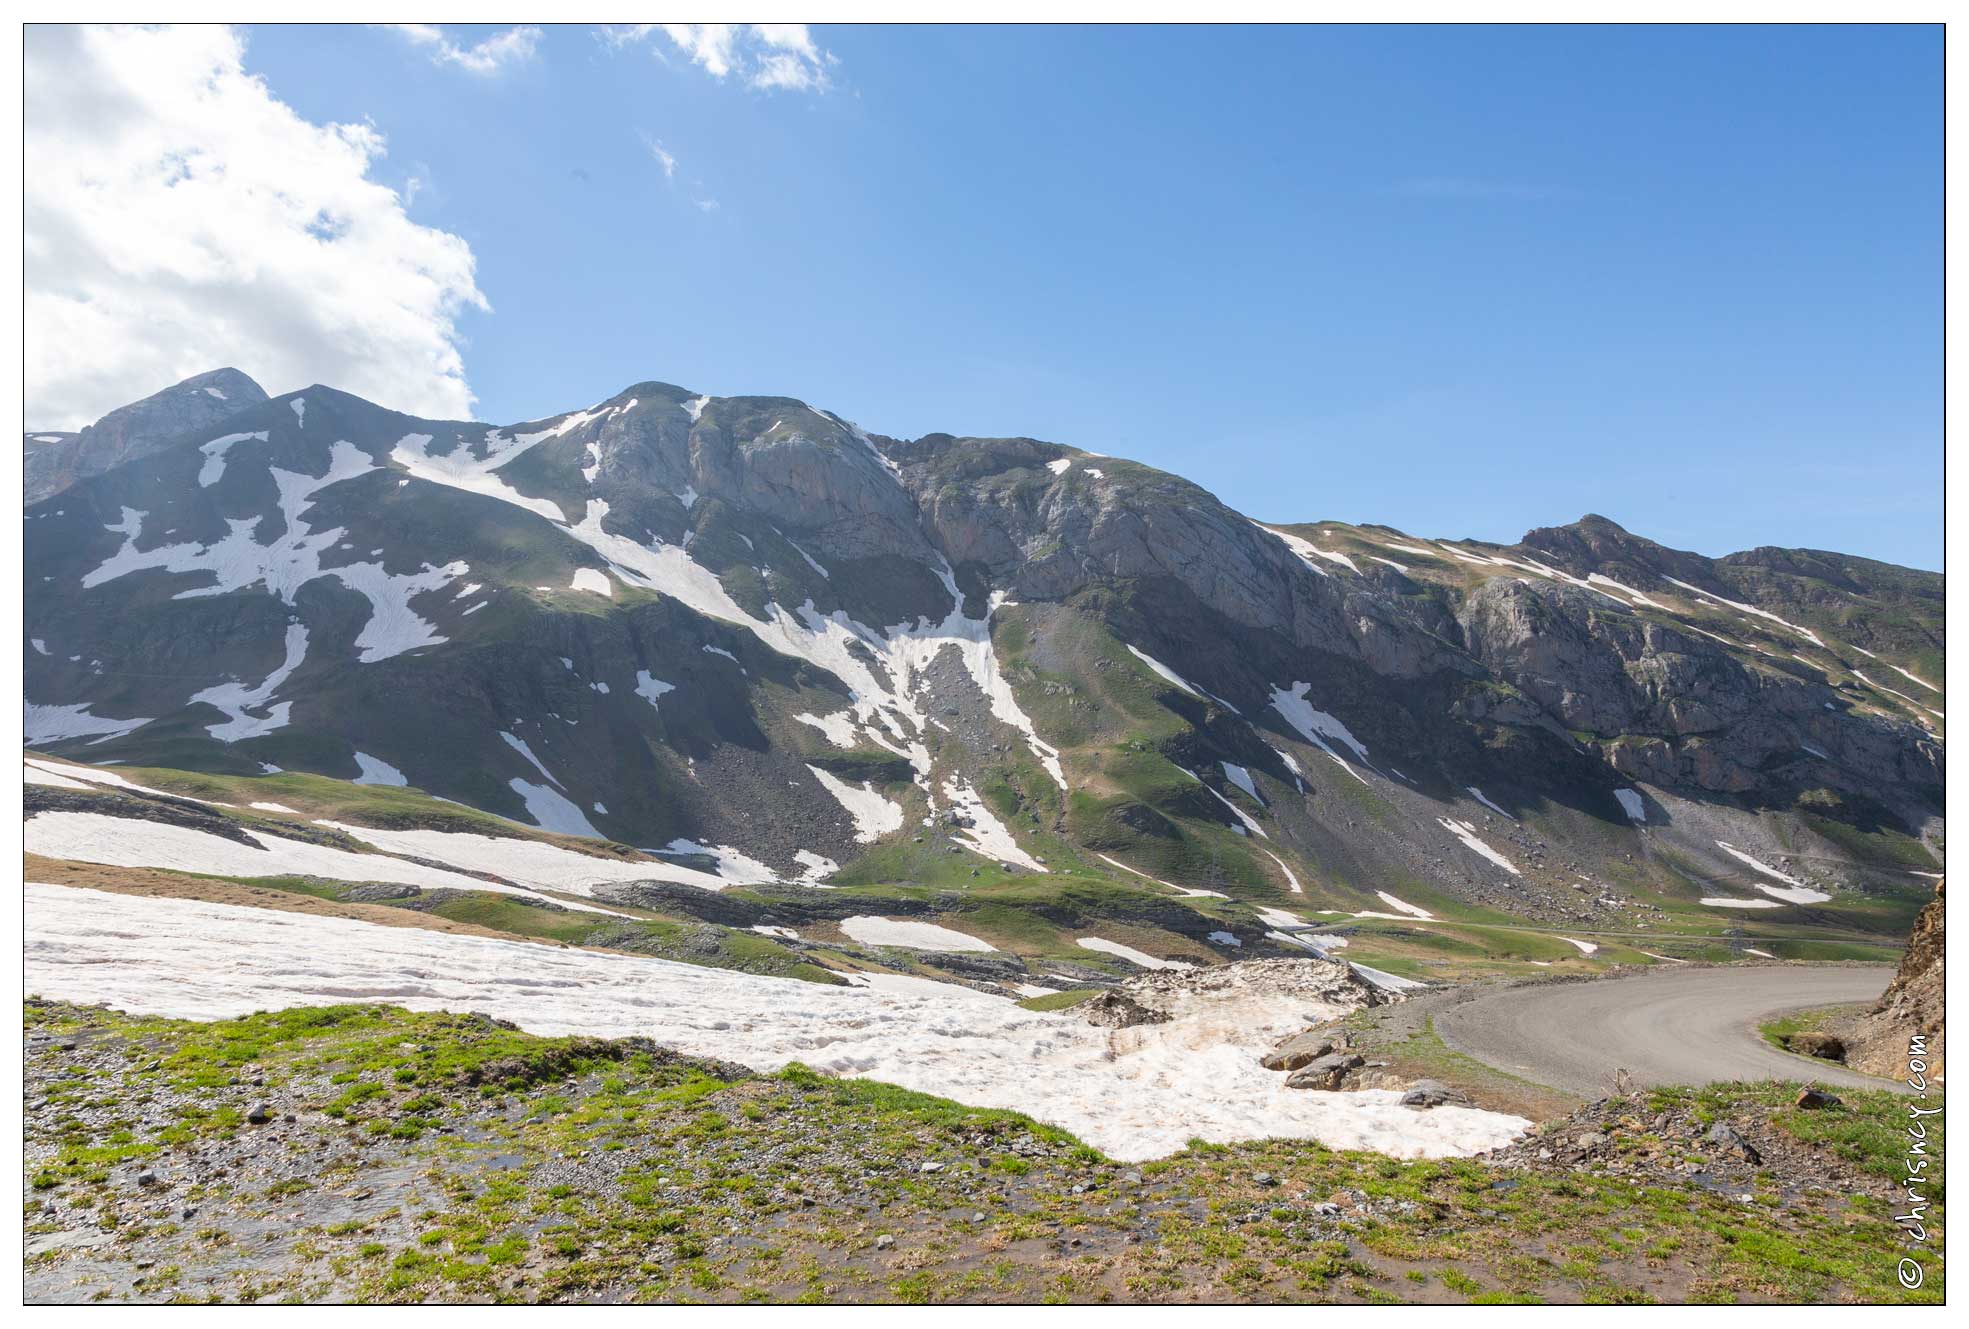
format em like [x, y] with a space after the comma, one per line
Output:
[1912, 1005]
[136, 430]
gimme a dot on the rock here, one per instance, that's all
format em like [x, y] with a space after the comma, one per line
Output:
[1816, 1043]
[1589, 1140]
[1326, 1072]
[1297, 1051]
[1726, 1138]
[1433, 1093]
[931, 1167]
[259, 1114]
[1265, 1179]
[148, 1179]
[1910, 1008]
[883, 1241]
[1816, 1099]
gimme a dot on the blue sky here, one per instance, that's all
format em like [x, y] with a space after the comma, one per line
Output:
[1462, 281]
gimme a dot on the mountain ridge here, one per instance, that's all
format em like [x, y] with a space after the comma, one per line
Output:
[695, 614]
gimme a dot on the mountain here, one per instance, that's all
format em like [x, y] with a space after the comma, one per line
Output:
[744, 632]
[56, 460]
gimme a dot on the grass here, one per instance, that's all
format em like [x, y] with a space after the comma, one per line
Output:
[1059, 1001]
[580, 1169]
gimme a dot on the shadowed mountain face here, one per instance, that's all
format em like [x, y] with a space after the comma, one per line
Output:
[745, 625]
[56, 461]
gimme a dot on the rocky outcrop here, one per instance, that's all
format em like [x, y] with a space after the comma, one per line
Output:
[137, 430]
[1910, 1008]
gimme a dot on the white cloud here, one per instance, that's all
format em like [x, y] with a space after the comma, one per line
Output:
[179, 217]
[662, 155]
[514, 46]
[762, 55]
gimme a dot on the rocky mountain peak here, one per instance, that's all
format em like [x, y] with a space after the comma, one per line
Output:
[138, 430]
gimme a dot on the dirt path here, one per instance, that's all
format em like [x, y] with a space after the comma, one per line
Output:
[1684, 1026]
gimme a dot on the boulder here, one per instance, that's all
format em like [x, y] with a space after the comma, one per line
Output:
[1297, 1051]
[1327, 1072]
[1816, 1099]
[1433, 1093]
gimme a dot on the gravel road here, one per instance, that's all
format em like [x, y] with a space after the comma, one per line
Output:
[1667, 1026]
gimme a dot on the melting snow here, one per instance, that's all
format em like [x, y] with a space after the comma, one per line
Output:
[870, 930]
[589, 579]
[1241, 777]
[1403, 906]
[1630, 803]
[1059, 465]
[1467, 833]
[518, 745]
[374, 770]
[51, 724]
[1250, 823]
[1316, 726]
[235, 698]
[986, 834]
[1752, 610]
[1163, 671]
[649, 687]
[292, 560]
[1726, 902]
[1794, 890]
[31, 774]
[1180, 890]
[1134, 1094]
[1478, 794]
[733, 865]
[89, 837]
[1290, 880]
[214, 467]
[1585, 947]
[875, 816]
[552, 810]
[1130, 954]
[528, 862]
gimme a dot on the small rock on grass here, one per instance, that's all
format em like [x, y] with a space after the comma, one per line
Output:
[1817, 1098]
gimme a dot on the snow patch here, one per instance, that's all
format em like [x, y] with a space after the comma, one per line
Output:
[374, 770]
[52, 724]
[874, 815]
[649, 687]
[1130, 954]
[1793, 890]
[1467, 833]
[1134, 1094]
[870, 930]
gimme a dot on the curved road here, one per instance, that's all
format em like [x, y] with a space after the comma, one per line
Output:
[1667, 1026]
